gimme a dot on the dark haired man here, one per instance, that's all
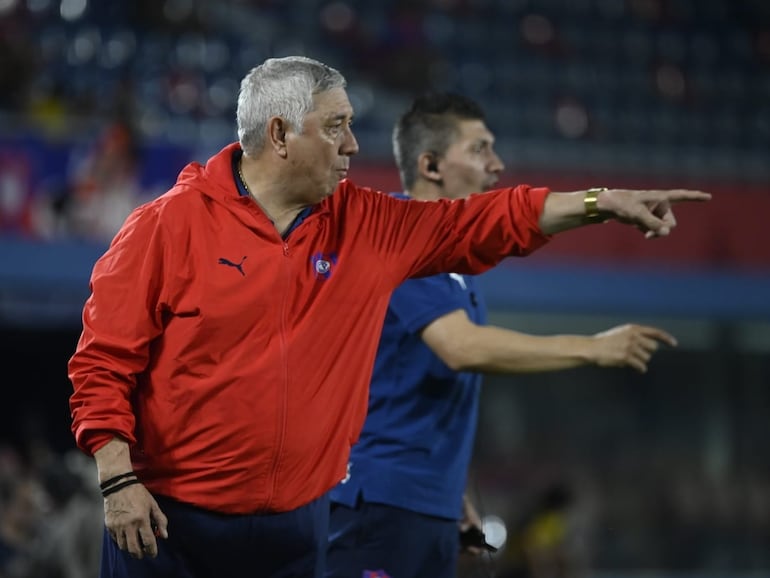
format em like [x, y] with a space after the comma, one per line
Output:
[398, 509]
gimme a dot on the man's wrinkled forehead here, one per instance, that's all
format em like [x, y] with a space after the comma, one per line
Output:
[332, 103]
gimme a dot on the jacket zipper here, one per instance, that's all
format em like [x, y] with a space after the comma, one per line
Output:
[284, 387]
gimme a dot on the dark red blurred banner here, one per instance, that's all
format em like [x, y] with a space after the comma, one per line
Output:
[732, 231]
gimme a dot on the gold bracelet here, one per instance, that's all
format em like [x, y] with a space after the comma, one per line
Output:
[590, 201]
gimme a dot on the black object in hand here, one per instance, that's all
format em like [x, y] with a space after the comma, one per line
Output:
[473, 537]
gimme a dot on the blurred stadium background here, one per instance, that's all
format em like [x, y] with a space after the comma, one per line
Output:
[666, 474]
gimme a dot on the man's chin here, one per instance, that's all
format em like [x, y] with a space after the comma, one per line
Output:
[335, 186]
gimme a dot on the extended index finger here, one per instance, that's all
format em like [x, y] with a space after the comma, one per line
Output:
[659, 335]
[682, 195]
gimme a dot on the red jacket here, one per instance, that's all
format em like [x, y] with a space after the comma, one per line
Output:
[237, 363]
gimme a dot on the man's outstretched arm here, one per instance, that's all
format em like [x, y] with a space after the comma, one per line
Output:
[648, 210]
[466, 346]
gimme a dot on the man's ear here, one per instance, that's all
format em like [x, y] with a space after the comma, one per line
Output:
[276, 134]
[427, 164]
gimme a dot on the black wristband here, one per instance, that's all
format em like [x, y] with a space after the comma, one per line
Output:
[119, 487]
[107, 483]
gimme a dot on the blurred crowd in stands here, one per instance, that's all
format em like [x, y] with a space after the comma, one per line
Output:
[639, 86]
[101, 189]
[50, 513]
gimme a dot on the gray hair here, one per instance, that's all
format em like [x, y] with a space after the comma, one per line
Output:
[280, 87]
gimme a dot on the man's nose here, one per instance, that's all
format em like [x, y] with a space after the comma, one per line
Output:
[349, 144]
[497, 165]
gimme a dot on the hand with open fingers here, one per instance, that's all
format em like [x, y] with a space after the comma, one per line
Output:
[650, 210]
[629, 345]
[134, 520]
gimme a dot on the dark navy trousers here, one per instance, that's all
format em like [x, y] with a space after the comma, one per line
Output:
[379, 541]
[204, 544]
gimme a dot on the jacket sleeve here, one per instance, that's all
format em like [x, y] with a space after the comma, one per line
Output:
[420, 238]
[120, 319]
